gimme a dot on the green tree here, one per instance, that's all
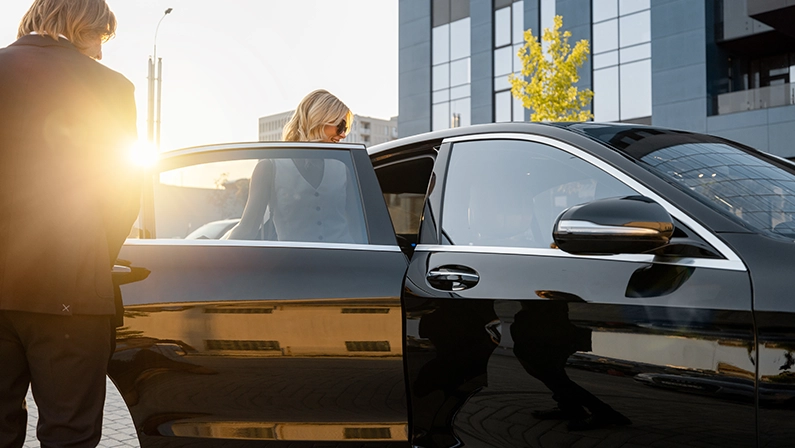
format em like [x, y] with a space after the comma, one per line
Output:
[550, 92]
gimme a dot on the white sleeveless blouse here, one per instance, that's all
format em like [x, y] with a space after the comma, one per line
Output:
[302, 212]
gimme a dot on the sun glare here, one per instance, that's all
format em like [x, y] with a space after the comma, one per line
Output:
[143, 154]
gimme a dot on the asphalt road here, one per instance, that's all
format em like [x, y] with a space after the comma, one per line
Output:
[117, 429]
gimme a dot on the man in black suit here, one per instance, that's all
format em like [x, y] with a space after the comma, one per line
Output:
[68, 198]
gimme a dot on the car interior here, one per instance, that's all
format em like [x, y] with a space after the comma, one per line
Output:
[404, 185]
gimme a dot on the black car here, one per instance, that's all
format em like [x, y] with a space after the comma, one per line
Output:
[513, 285]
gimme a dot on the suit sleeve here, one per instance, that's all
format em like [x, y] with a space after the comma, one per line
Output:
[123, 179]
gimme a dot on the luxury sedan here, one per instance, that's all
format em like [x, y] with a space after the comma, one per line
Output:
[501, 285]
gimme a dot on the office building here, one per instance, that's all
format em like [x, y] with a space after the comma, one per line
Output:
[723, 67]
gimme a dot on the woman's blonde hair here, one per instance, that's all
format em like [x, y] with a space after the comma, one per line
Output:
[314, 112]
[80, 21]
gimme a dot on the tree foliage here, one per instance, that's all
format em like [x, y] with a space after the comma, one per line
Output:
[550, 92]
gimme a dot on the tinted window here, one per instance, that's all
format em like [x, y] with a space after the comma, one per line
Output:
[314, 197]
[509, 193]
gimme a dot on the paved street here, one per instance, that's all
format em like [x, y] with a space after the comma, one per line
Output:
[117, 429]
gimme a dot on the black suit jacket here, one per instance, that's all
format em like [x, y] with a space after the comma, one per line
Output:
[68, 195]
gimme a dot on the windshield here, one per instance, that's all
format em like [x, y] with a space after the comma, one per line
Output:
[755, 188]
[759, 193]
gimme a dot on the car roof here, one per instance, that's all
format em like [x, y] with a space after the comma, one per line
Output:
[593, 130]
[455, 132]
[628, 139]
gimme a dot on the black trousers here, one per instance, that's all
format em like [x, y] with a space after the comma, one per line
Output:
[64, 360]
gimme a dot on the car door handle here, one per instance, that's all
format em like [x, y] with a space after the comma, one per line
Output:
[123, 274]
[120, 269]
[452, 278]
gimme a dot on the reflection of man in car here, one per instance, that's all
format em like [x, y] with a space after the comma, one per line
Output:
[544, 338]
[463, 337]
[306, 199]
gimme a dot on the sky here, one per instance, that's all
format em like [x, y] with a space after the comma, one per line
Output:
[228, 62]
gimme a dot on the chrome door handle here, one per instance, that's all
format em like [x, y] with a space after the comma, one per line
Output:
[452, 278]
[120, 269]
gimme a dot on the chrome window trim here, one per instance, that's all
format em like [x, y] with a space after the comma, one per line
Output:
[707, 263]
[257, 243]
[412, 158]
[733, 259]
[254, 146]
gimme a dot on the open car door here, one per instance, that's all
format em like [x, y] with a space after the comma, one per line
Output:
[291, 333]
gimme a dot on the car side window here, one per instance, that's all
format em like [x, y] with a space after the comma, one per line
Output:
[313, 197]
[508, 193]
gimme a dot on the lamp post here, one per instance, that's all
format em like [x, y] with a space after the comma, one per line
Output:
[153, 116]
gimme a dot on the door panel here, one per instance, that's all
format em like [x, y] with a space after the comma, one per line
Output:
[656, 362]
[561, 350]
[251, 342]
[770, 262]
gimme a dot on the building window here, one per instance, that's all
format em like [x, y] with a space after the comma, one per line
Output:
[621, 38]
[758, 83]
[450, 74]
[508, 39]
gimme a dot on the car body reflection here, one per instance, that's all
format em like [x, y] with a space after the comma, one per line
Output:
[250, 370]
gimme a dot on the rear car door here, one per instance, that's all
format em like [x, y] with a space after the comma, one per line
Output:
[513, 342]
[284, 338]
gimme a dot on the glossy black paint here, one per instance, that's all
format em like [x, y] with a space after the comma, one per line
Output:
[632, 213]
[233, 344]
[669, 348]
[569, 331]
[256, 343]
[245, 342]
[262, 343]
[770, 264]
[379, 225]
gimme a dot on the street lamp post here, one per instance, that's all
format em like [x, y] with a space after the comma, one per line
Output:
[153, 115]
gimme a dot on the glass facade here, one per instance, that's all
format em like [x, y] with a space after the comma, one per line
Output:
[450, 58]
[508, 39]
[621, 46]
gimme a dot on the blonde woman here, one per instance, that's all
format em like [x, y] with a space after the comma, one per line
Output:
[319, 117]
[308, 199]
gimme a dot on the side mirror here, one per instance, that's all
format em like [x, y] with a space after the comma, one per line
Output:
[628, 225]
